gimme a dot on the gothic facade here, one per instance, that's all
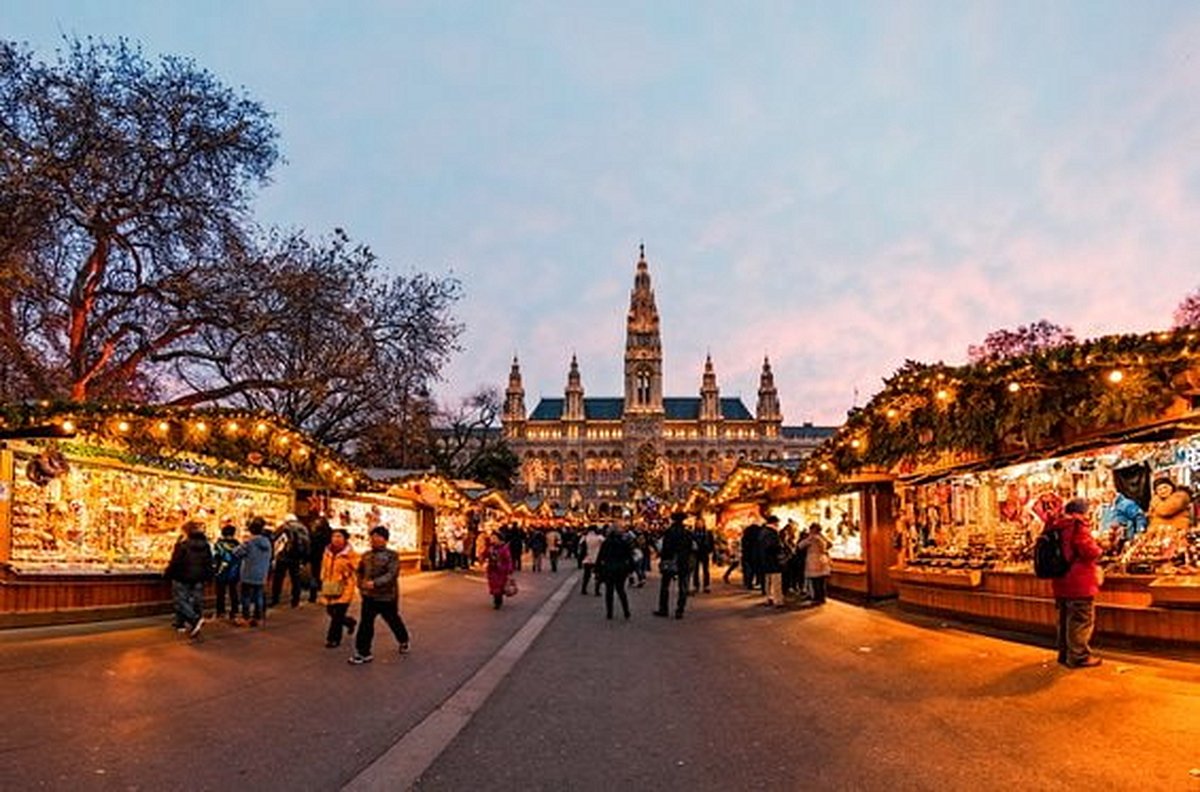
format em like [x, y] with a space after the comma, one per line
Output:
[582, 451]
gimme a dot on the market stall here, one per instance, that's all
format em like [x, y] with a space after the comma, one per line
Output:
[90, 513]
[985, 452]
[968, 538]
[856, 516]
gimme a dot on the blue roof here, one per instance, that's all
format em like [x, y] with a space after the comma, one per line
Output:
[613, 408]
[808, 432]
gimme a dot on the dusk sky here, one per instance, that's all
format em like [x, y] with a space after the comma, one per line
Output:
[838, 185]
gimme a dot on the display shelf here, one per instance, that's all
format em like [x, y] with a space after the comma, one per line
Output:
[1176, 591]
[944, 578]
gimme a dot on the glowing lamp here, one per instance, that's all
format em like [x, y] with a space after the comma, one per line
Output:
[164, 427]
[232, 428]
[1013, 387]
[123, 427]
[943, 394]
[68, 426]
[1115, 376]
[201, 427]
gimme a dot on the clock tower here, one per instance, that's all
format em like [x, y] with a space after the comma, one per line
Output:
[643, 366]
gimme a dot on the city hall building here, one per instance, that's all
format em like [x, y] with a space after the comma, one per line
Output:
[582, 451]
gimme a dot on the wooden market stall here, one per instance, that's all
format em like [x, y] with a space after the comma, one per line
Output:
[982, 451]
[92, 499]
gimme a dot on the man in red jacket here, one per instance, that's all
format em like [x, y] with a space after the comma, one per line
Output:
[1075, 592]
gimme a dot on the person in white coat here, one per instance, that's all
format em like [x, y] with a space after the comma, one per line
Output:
[817, 564]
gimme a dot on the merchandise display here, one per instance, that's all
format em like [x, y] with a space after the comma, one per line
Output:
[840, 517]
[359, 515]
[1141, 510]
[91, 514]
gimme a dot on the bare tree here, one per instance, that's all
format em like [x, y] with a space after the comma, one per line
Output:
[467, 442]
[1025, 340]
[125, 189]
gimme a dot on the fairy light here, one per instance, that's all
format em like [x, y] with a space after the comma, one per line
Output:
[163, 427]
[123, 426]
[943, 394]
[1013, 387]
[68, 426]
[1116, 376]
[232, 428]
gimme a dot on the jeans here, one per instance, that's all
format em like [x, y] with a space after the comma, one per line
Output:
[588, 571]
[227, 588]
[389, 611]
[700, 572]
[615, 583]
[291, 569]
[554, 554]
[189, 602]
[339, 622]
[818, 589]
[1076, 621]
[253, 593]
[664, 591]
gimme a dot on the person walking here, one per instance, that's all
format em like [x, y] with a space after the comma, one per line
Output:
[499, 567]
[516, 545]
[338, 567]
[255, 555]
[537, 546]
[1075, 592]
[732, 557]
[703, 541]
[674, 563]
[772, 563]
[614, 564]
[190, 566]
[553, 547]
[817, 565]
[591, 550]
[378, 578]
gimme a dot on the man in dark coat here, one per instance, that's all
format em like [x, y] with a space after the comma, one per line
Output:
[191, 565]
[750, 555]
[704, 549]
[319, 534]
[675, 561]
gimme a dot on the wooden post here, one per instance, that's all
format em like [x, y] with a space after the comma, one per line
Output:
[6, 497]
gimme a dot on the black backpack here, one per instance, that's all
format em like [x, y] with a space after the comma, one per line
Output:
[1049, 560]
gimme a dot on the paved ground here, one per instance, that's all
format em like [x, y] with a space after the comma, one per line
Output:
[133, 706]
[732, 697]
[738, 697]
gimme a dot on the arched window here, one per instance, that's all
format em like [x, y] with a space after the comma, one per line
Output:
[643, 387]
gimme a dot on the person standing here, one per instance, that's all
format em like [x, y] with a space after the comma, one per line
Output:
[291, 551]
[337, 576]
[227, 569]
[772, 566]
[614, 564]
[817, 565]
[703, 541]
[499, 567]
[516, 545]
[553, 547]
[537, 546]
[732, 557]
[590, 548]
[190, 566]
[255, 554]
[674, 563]
[1075, 592]
[378, 578]
[750, 554]
[319, 534]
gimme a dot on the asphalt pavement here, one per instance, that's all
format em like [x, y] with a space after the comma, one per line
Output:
[734, 696]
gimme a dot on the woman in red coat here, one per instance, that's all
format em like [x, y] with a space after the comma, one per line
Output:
[499, 567]
[1075, 592]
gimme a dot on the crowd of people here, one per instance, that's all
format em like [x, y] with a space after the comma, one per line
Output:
[319, 563]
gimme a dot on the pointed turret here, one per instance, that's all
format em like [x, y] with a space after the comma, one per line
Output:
[643, 346]
[573, 408]
[767, 412]
[513, 417]
[710, 394]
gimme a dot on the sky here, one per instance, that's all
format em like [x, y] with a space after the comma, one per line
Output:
[840, 186]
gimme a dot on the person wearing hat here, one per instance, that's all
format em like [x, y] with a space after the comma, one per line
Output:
[675, 560]
[379, 584]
